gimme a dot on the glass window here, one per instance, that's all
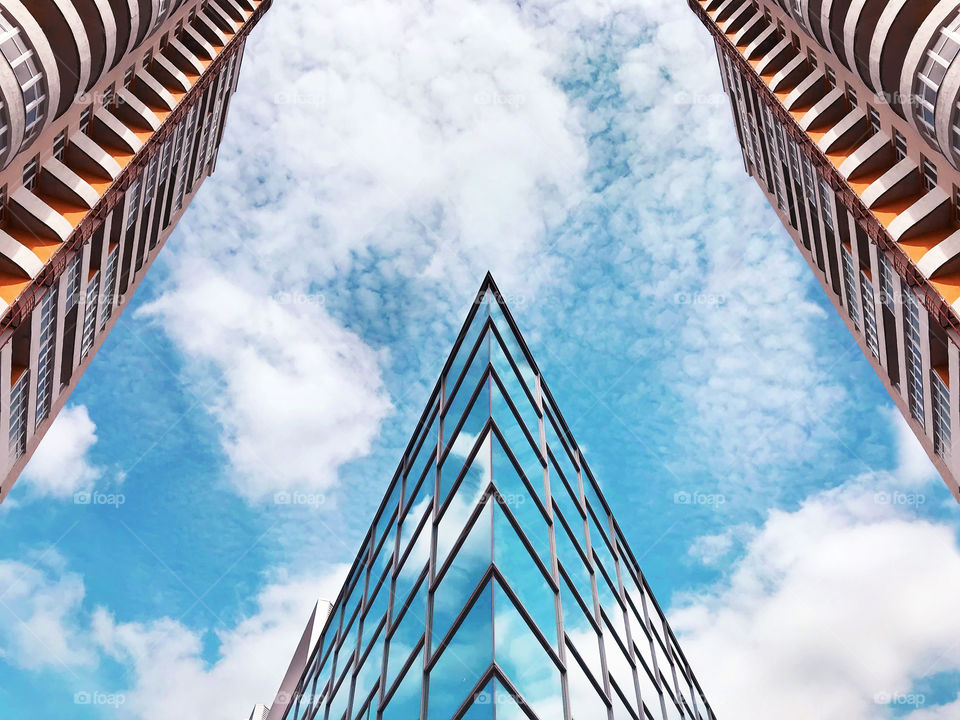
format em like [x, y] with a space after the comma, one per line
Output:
[516, 494]
[371, 667]
[462, 576]
[465, 437]
[580, 630]
[512, 346]
[461, 394]
[474, 329]
[376, 609]
[517, 390]
[423, 457]
[471, 479]
[570, 558]
[524, 576]
[586, 697]
[525, 447]
[415, 544]
[341, 696]
[404, 704]
[462, 662]
[407, 634]
[524, 660]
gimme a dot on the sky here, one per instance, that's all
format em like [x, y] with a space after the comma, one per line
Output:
[379, 158]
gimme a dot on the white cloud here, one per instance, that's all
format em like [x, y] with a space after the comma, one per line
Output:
[300, 395]
[39, 607]
[61, 466]
[842, 602]
[913, 466]
[168, 670]
[733, 291]
[376, 150]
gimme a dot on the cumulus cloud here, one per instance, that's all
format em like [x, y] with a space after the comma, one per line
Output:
[166, 658]
[428, 142]
[299, 395]
[61, 464]
[834, 610]
[40, 606]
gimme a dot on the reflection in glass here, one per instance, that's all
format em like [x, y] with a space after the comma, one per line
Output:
[463, 661]
[524, 660]
[462, 576]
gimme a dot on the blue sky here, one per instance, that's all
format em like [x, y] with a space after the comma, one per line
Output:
[380, 157]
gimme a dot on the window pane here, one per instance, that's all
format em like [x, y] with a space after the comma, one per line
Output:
[469, 493]
[572, 561]
[463, 661]
[521, 395]
[457, 404]
[585, 701]
[516, 439]
[463, 442]
[370, 671]
[512, 346]
[516, 495]
[409, 631]
[405, 702]
[580, 632]
[524, 577]
[462, 577]
[377, 610]
[521, 656]
[463, 352]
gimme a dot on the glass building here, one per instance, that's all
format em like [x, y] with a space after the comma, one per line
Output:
[494, 581]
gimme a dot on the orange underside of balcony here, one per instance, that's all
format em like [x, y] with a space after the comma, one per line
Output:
[887, 212]
[43, 248]
[917, 247]
[11, 286]
[948, 286]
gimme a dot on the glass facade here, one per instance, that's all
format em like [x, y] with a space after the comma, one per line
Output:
[494, 581]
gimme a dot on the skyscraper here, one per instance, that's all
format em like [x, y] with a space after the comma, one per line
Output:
[111, 114]
[494, 577]
[847, 113]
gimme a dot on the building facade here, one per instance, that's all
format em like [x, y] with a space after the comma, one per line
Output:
[111, 114]
[847, 113]
[494, 581]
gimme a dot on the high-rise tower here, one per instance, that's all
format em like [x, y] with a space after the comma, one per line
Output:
[111, 113]
[494, 578]
[847, 113]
